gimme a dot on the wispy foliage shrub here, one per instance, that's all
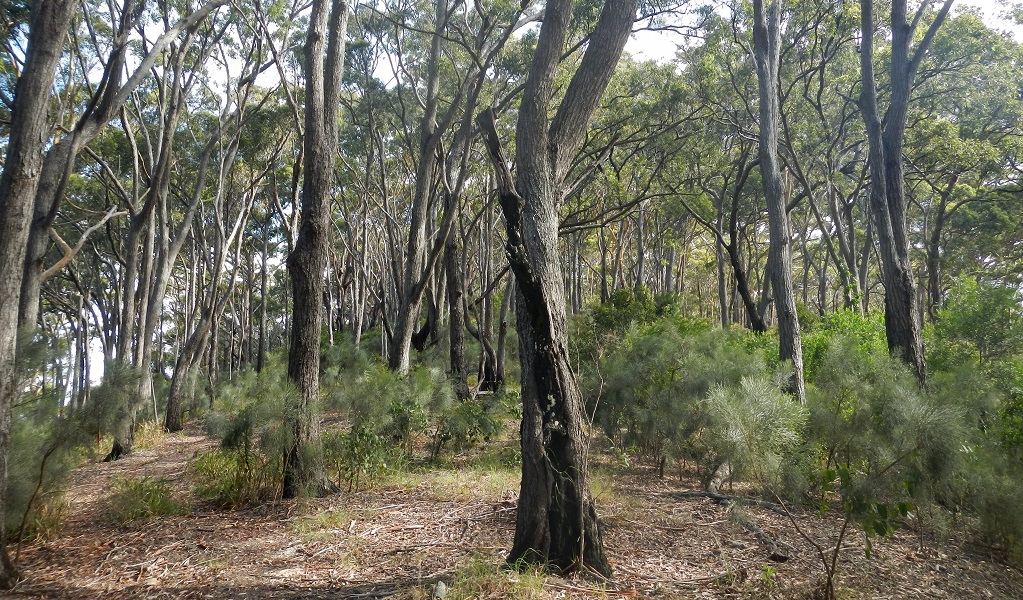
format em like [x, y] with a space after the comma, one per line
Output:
[875, 439]
[653, 393]
[48, 440]
[753, 426]
[389, 414]
[250, 420]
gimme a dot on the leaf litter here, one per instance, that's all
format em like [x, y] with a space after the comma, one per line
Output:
[399, 538]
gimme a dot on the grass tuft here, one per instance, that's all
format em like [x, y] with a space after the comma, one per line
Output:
[136, 501]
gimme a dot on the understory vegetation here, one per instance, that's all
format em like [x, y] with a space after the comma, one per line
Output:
[678, 394]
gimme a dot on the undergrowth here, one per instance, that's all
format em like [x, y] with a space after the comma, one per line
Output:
[137, 501]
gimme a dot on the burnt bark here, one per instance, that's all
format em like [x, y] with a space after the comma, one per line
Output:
[556, 520]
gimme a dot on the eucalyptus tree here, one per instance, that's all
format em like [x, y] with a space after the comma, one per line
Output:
[155, 237]
[464, 42]
[643, 123]
[29, 131]
[887, 177]
[967, 131]
[240, 178]
[324, 67]
[714, 185]
[105, 100]
[822, 141]
[767, 24]
[556, 519]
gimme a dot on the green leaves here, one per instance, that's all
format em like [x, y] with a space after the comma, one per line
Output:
[753, 425]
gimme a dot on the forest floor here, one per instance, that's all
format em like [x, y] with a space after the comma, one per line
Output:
[454, 523]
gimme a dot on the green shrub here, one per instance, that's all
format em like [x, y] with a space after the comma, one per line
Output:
[232, 479]
[356, 456]
[752, 425]
[980, 320]
[651, 391]
[877, 440]
[49, 440]
[135, 501]
[624, 308]
[466, 425]
[251, 419]
[867, 332]
[380, 401]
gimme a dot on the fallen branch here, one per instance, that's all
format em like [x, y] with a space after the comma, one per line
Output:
[727, 499]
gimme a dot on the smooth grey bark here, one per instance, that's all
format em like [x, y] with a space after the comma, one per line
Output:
[215, 299]
[164, 241]
[416, 274]
[887, 186]
[29, 133]
[441, 171]
[767, 52]
[107, 101]
[556, 520]
[324, 65]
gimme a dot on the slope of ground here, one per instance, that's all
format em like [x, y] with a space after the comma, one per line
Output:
[454, 524]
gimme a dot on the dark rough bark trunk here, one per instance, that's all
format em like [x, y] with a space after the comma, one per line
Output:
[767, 47]
[29, 132]
[501, 353]
[556, 520]
[456, 308]
[324, 60]
[887, 193]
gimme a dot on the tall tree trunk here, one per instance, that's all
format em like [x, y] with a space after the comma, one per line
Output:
[887, 193]
[767, 50]
[556, 520]
[29, 133]
[456, 309]
[417, 272]
[324, 62]
[261, 351]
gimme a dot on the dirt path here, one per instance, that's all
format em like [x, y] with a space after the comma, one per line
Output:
[397, 539]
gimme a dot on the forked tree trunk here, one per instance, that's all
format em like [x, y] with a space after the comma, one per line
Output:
[767, 51]
[556, 521]
[887, 192]
[324, 61]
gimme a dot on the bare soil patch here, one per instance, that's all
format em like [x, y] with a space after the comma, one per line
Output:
[397, 539]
